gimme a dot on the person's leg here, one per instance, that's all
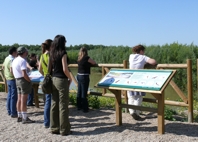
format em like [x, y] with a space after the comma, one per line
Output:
[8, 101]
[54, 113]
[47, 110]
[13, 98]
[130, 101]
[85, 86]
[30, 98]
[138, 102]
[63, 89]
[79, 101]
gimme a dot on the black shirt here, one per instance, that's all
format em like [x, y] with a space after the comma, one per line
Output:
[84, 65]
[58, 67]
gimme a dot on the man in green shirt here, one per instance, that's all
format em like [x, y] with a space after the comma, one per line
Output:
[11, 83]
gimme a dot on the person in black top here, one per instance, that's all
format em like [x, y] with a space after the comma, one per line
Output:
[59, 115]
[34, 63]
[84, 64]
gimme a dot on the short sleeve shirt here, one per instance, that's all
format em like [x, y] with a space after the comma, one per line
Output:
[18, 65]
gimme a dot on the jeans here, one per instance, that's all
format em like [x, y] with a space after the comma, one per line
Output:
[83, 85]
[59, 115]
[47, 110]
[12, 97]
[30, 98]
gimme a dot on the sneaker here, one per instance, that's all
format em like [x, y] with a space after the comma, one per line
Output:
[27, 120]
[19, 119]
[14, 116]
[135, 116]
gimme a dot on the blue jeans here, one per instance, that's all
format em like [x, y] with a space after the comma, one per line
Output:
[83, 85]
[12, 97]
[47, 110]
[30, 98]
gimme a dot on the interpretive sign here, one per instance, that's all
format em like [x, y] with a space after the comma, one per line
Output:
[136, 79]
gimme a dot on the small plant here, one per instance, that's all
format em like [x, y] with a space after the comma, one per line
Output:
[168, 114]
[94, 102]
[72, 99]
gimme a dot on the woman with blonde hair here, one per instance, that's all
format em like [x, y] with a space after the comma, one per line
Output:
[84, 64]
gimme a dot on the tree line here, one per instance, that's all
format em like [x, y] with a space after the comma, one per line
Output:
[173, 53]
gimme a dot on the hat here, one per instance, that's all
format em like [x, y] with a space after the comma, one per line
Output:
[21, 49]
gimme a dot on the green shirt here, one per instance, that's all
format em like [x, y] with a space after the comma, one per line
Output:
[7, 65]
[44, 58]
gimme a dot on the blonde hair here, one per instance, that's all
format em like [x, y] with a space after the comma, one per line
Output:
[82, 53]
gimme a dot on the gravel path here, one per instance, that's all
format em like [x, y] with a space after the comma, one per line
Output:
[97, 125]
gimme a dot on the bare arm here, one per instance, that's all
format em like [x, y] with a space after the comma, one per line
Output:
[152, 61]
[25, 75]
[91, 61]
[65, 68]
[40, 68]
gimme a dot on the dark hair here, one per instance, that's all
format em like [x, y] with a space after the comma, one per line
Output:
[12, 50]
[138, 48]
[46, 45]
[57, 47]
[32, 55]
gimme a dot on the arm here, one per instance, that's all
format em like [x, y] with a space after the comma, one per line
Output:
[25, 75]
[40, 69]
[65, 68]
[91, 61]
[28, 66]
[152, 61]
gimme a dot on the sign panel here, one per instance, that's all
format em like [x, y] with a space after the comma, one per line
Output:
[136, 79]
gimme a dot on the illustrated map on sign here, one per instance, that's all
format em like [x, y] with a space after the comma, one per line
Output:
[136, 79]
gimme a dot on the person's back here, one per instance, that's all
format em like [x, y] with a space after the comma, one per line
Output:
[137, 61]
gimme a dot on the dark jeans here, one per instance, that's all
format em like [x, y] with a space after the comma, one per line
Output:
[12, 97]
[30, 98]
[47, 110]
[83, 85]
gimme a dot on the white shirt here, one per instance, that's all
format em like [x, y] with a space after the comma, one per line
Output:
[18, 65]
[137, 61]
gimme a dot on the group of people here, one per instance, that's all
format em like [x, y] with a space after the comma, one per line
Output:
[54, 60]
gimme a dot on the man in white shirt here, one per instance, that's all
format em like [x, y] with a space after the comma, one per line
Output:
[23, 83]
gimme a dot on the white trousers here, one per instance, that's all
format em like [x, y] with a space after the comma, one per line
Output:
[135, 100]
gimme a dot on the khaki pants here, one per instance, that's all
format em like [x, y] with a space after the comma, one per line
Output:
[59, 116]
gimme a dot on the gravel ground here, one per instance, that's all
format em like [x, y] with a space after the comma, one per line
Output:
[97, 125]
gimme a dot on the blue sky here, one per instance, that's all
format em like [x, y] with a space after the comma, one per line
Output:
[106, 22]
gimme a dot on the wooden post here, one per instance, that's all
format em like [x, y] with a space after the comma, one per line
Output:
[36, 100]
[189, 86]
[160, 114]
[118, 108]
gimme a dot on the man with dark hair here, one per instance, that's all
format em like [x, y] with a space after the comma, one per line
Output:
[11, 83]
[23, 83]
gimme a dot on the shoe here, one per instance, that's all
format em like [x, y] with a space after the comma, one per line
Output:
[135, 116]
[27, 120]
[19, 119]
[14, 116]
[85, 111]
[46, 127]
[54, 132]
[67, 134]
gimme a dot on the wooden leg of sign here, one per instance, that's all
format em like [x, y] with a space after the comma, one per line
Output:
[118, 108]
[161, 113]
[36, 100]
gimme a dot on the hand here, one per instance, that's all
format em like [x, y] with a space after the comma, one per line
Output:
[70, 81]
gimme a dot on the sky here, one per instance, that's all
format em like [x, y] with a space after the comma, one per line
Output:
[99, 22]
